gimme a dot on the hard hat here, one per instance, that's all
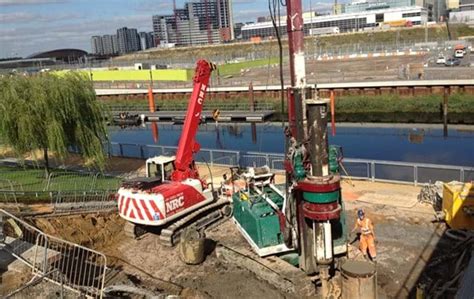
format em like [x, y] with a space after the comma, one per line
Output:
[360, 213]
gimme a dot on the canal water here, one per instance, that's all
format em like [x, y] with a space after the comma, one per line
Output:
[392, 142]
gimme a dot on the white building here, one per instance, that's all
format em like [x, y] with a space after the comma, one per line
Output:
[346, 22]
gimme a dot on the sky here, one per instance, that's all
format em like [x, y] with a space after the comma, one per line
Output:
[31, 26]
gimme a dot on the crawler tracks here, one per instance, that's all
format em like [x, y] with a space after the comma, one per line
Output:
[204, 218]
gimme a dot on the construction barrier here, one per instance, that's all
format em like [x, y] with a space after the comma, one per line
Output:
[72, 266]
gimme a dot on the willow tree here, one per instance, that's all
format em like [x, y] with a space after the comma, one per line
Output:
[52, 113]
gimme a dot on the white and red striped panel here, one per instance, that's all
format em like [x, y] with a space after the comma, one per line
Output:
[141, 208]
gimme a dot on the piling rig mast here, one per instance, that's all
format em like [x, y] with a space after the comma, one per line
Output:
[316, 217]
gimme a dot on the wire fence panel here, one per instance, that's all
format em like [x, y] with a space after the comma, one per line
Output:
[7, 192]
[468, 175]
[432, 174]
[357, 169]
[227, 158]
[20, 238]
[67, 180]
[90, 201]
[74, 266]
[389, 172]
[26, 179]
[253, 161]
[203, 156]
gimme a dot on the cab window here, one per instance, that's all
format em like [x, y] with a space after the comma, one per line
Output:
[154, 170]
[169, 167]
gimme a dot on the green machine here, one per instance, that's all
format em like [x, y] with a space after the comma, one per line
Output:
[258, 210]
[260, 207]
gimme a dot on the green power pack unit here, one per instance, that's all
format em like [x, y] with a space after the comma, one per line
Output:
[258, 221]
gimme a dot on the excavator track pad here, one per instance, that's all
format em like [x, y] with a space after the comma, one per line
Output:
[200, 220]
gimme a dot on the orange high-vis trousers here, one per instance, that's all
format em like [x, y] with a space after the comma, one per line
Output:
[367, 241]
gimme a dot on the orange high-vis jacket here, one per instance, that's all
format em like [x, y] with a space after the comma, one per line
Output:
[366, 227]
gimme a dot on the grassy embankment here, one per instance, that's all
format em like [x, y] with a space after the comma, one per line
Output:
[393, 108]
[382, 108]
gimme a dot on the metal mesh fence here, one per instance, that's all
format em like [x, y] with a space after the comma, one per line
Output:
[75, 267]
[375, 170]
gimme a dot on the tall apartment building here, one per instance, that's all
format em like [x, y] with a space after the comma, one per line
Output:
[97, 45]
[128, 40]
[146, 40]
[199, 22]
[110, 44]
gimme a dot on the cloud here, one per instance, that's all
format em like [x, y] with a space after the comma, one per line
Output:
[25, 18]
[31, 38]
[28, 2]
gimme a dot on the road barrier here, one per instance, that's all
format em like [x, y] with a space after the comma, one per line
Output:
[373, 170]
[72, 266]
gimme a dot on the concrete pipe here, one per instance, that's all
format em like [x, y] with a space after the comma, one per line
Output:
[359, 280]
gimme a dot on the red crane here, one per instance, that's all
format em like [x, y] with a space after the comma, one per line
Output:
[173, 188]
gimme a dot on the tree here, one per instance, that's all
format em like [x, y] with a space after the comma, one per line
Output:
[51, 112]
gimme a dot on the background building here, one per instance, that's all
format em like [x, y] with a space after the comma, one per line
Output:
[346, 22]
[97, 45]
[199, 22]
[437, 9]
[128, 40]
[146, 40]
[110, 44]
[125, 41]
[462, 11]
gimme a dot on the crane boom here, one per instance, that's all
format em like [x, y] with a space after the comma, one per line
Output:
[184, 163]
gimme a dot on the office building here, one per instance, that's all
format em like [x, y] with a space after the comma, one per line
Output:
[345, 22]
[199, 22]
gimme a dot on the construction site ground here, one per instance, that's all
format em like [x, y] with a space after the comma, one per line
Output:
[406, 239]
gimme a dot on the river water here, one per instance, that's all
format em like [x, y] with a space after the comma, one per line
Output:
[392, 142]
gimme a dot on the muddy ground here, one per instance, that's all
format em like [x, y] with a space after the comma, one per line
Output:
[405, 237]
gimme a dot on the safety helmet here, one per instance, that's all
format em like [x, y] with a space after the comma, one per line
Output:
[360, 213]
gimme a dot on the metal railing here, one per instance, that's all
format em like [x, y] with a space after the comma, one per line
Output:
[69, 265]
[182, 106]
[373, 170]
[65, 191]
[74, 201]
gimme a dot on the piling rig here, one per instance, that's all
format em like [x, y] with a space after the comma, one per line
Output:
[315, 216]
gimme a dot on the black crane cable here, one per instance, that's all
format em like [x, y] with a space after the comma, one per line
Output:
[274, 9]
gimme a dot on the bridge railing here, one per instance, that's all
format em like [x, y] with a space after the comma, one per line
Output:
[366, 169]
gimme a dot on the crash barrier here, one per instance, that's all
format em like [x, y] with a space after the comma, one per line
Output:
[72, 266]
[373, 170]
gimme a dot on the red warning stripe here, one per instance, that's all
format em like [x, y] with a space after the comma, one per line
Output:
[145, 208]
[127, 203]
[139, 213]
[121, 200]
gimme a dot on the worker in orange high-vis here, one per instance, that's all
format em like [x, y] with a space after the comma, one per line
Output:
[367, 235]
